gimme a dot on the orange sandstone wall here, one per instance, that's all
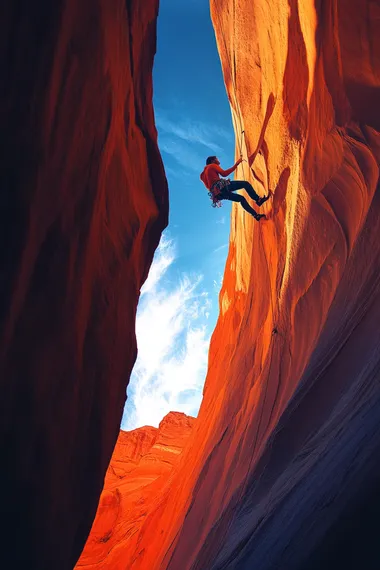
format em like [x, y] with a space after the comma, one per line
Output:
[139, 468]
[83, 204]
[282, 467]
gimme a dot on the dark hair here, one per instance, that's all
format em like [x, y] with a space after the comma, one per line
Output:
[210, 159]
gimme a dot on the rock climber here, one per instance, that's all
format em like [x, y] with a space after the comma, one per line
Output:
[224, 188]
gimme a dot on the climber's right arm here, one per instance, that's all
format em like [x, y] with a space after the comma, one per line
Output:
[229, 170]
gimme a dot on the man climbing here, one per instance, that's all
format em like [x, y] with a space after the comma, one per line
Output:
[223, 189]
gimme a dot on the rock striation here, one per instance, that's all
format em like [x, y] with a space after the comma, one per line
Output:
[139, 469]
[83, 204]
[282, 466]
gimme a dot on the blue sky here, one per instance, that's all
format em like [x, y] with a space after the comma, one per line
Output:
[179, 302]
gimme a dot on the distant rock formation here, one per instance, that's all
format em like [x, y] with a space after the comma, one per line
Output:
[83, 204]
[140, 467]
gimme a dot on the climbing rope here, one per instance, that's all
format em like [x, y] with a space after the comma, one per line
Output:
[241, 153]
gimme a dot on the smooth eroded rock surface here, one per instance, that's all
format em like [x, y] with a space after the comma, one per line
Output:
[282, 469]
[139, 469]
[83, 204]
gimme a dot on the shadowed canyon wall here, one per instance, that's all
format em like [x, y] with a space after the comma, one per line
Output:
[83, 204]
[282, 468]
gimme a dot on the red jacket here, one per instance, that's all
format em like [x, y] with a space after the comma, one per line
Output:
[211, 174]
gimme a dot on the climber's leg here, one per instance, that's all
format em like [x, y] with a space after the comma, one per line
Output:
[226, 195]
[243, 185]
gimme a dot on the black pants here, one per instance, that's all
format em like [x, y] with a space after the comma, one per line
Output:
[228, 194]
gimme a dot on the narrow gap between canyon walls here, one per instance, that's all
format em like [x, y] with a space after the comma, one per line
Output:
[179, 302]
[178, 307]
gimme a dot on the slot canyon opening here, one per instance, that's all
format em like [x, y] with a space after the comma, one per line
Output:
[179, 304]
[281, 465]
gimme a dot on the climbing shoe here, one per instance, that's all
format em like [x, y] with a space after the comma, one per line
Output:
[260, 201]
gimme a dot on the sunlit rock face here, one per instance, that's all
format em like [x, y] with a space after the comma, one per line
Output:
[83, 204]
[141, 463]
[282, 468]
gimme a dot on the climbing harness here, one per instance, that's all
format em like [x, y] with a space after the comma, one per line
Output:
[216, 189]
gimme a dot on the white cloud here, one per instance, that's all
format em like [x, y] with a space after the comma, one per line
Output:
[180, 137]
[172, 345]
[221, 247]
[183, 153]
[218, 283]
[162, 261]
[191, 131]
